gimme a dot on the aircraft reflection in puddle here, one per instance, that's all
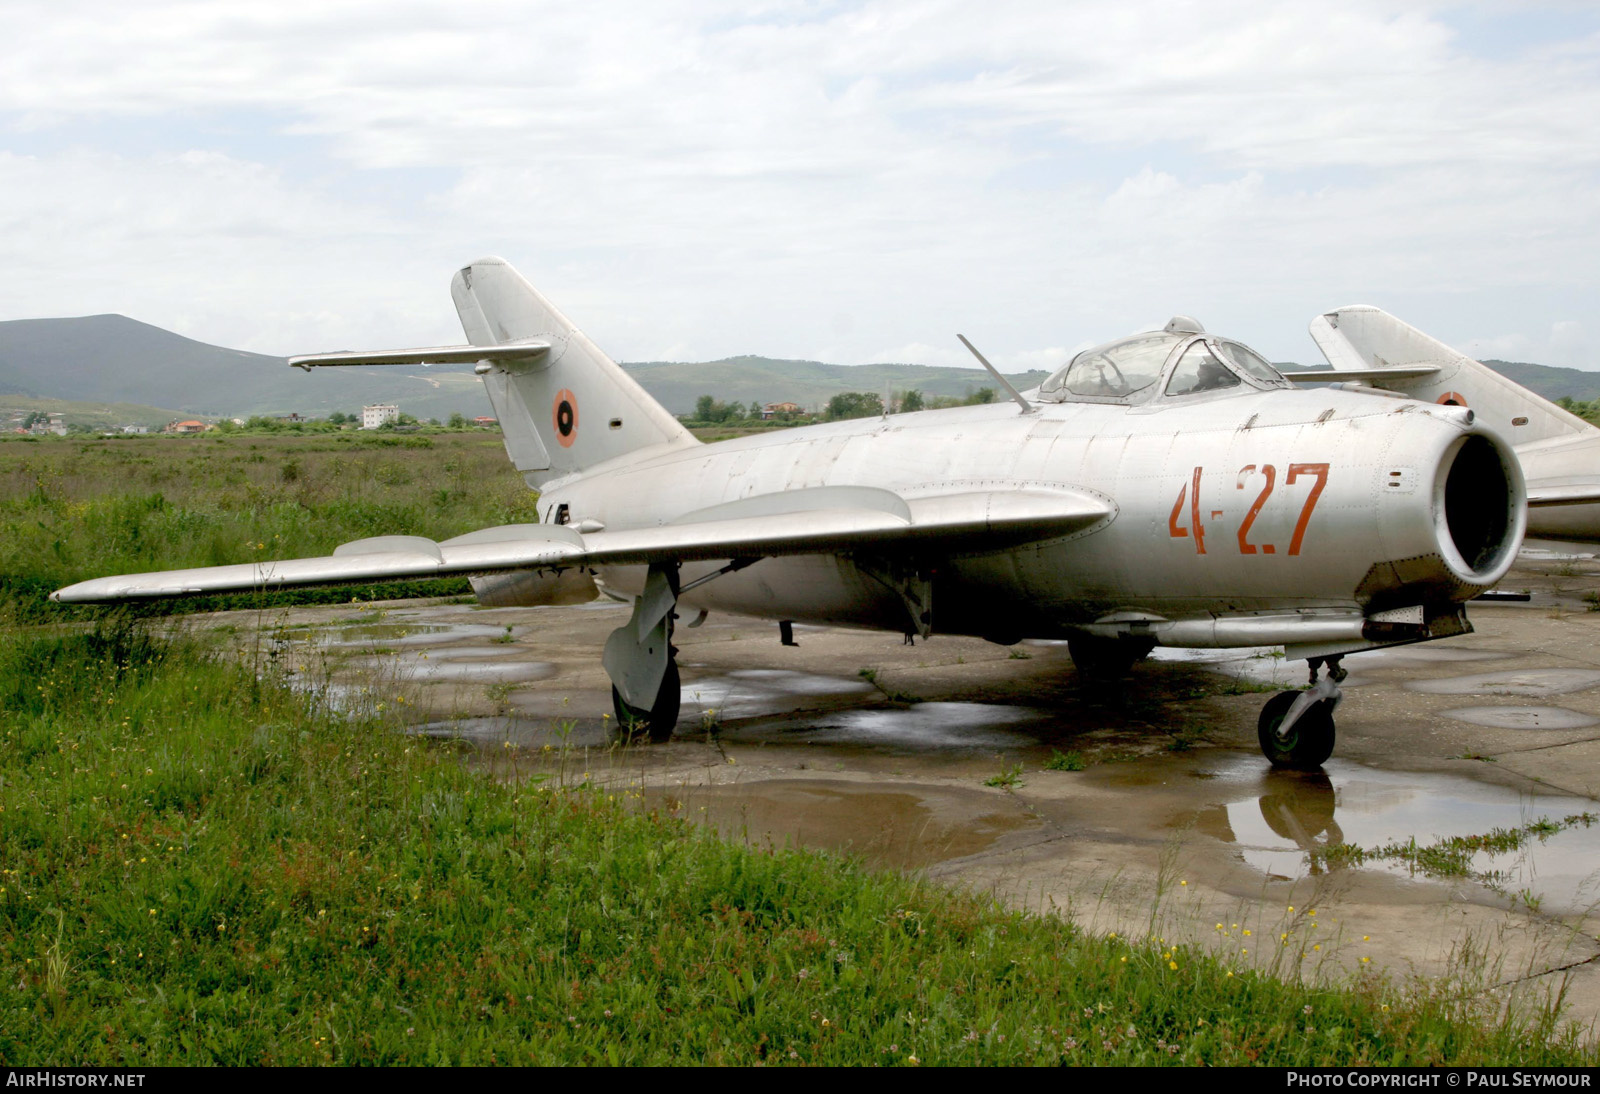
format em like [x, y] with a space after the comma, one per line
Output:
[1286, 821]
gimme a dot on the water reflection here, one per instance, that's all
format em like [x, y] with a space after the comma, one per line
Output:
[1286, 823]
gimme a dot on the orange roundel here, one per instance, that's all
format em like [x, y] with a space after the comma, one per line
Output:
[564, 416]
[1452, 398]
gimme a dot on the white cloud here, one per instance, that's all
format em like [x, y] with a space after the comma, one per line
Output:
[797, 180]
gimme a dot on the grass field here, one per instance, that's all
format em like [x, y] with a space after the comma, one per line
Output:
[202, 866]
[199, 864]
[72, 509]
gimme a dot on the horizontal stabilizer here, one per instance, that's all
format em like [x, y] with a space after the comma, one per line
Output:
[826, 520]
[1576, 494]
[525, 350]
[1364, 342]
[1380, 376]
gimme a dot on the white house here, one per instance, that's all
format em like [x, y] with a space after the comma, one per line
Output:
[374, 416]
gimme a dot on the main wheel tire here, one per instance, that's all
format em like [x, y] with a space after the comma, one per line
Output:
[1308, 745]
[659, 721]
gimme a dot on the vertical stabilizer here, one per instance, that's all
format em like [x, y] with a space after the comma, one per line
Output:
[566, 410]
[1363, 337]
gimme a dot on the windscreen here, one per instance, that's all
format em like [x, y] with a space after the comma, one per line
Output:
[1115, 369]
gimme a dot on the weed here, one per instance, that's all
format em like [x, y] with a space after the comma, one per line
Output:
[1009, 778]
[1019, 654]
[1065, 761]
[504, 639]
[1481, 757]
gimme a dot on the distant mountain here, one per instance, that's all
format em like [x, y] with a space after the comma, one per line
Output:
[111, 359]
[1550, 381]
[114, 359]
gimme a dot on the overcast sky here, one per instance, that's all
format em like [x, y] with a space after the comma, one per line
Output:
[844, 182]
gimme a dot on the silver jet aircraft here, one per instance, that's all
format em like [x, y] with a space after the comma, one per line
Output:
[1169, 488]
[1559, 451]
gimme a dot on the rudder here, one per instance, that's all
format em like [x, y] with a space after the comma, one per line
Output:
[1364, 337]
[566, 410]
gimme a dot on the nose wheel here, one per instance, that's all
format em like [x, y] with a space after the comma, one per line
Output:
[1296, 727]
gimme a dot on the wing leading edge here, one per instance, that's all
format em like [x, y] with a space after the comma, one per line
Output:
[824, 520]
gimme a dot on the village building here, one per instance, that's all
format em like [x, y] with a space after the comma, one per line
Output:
[380, 414]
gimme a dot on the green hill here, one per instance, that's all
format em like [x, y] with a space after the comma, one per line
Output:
[750, 379]
[111, 360]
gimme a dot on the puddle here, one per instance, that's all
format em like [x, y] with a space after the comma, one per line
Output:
[746, 692]
[471, 653]
[1420, 655]
[429, 670]
[1279, 816]
[924, 726]
[904, 826]
[1522, 717]
[522, 733]
[1529, 682]
[401, 635]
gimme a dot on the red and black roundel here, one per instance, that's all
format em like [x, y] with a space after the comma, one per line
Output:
[564, 416]
[1452, 398]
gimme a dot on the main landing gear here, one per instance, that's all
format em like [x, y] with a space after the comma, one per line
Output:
[645, 689]
[1296, 727]
[641, 659]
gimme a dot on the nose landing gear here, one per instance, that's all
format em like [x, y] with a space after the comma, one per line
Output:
[1296, 727]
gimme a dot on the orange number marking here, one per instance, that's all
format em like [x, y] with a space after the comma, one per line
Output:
[1194, 515]
[1245, 546]
[1318, 471]
[1190, 491]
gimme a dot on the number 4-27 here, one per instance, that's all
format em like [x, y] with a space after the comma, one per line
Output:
[1190, 493]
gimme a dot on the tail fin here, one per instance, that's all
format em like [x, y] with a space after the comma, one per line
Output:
[568, 409]
[1363, 337]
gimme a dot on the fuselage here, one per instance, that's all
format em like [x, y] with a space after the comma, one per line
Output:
[1222, 506]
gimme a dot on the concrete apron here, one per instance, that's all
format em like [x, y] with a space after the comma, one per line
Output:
[1175, 828]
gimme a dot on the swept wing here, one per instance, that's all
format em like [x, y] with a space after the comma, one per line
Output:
[821, 520]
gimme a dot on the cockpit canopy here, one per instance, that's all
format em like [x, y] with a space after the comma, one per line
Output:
[1131, 370]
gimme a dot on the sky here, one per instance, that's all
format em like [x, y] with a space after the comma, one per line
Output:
[845, 182]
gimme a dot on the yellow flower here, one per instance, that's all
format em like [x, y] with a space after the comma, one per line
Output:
[1172, 964]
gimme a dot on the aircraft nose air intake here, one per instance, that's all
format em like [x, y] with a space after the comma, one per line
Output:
[1479, 508]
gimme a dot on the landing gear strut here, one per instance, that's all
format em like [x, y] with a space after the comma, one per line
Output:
[1296, 727]
[641, 659]
[645, 689]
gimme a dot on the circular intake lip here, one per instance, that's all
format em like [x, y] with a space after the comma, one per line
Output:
[1480, 507]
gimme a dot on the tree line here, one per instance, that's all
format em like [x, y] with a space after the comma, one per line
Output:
[709, 410]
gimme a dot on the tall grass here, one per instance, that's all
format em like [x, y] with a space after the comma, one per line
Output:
[74, 509]
[202, 866]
